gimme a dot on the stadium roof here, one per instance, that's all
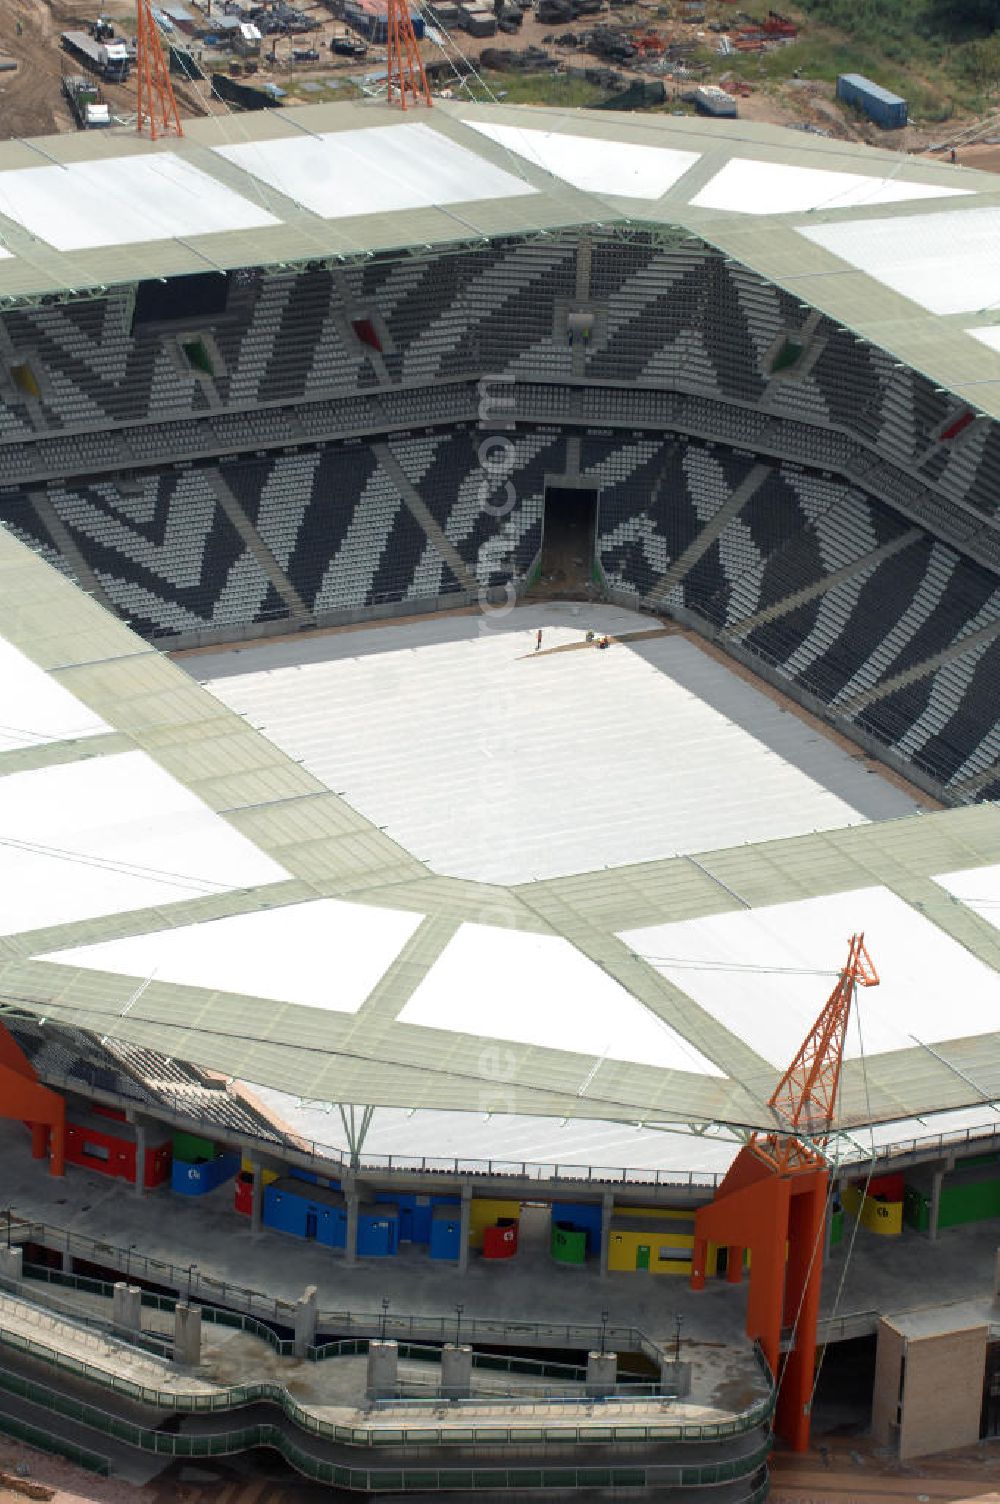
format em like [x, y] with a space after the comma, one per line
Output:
[900, 249]
[133, 802]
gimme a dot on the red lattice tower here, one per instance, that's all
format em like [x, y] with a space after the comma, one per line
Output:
[773, 1201]
[405, 71]
[156, 102]
[805, 1099]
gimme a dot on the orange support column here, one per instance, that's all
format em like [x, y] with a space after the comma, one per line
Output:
[699, 1258]
[734, 1264]
[766, 1298]
[23, 1097]
[806, 1226]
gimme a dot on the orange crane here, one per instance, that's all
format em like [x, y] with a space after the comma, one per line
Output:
[404, 69]
[773, 1201]
[156, 102]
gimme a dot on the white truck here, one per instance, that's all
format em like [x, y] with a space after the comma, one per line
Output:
[84, 98]
[109, 59]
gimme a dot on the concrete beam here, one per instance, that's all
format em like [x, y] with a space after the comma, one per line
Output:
[607, 1212]
[937, 1181]
[351, 1244]
[187, 1334]
[383, 1370]
[305, 1321]
[257, 1201]
[12, 1263]
[602, 1374]
[126, 1307]
[140, 1156]
[456, 1371]
[465, 1230]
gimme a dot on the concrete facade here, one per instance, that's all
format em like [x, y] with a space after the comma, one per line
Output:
[928, 1384]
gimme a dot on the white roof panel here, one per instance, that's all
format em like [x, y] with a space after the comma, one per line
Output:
[340, 173]
[765, 973]
[540, 990]
[988, 335]
[744, 186]
[978, 888]
[284, 954]
[578, 757]
[36, 708]
[123, 201]
[947, 262]
[618, 167]
[112, 834]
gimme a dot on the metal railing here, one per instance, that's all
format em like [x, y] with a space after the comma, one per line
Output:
[45, 1441]
[386, 1479]
[266, 1391]
[540, 1368]
[256, 1305]
[327, 1158]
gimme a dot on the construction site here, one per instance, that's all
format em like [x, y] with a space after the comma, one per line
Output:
[649, 56]
[500, 631]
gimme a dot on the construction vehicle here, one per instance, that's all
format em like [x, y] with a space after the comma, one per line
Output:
[348, 46]
[109, 59]
[84, 99]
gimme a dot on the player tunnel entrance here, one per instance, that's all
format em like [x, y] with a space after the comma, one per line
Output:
[569, 538]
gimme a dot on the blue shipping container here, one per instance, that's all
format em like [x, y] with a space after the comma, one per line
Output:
[415, 1213]
[446, 1233]
[313, 1212]
[885, 108]
[200, 1178]
[378, 1231]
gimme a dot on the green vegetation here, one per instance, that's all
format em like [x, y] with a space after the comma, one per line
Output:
[543, 88]
[942, 56]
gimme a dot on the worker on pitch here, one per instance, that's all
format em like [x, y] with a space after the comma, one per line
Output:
[538, 639]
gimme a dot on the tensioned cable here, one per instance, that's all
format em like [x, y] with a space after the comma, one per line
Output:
[111, 864]
[864, 1196]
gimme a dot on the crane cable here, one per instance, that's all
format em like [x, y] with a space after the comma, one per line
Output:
[857, 1220]
[821, 1228]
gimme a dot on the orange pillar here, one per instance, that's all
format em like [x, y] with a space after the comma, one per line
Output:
[806, 1226]
[734, 1264]
[699, 1258]
[766, 1300]
[22, 1096]
[57, 1162]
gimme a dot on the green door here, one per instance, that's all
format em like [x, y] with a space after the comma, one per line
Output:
[642, 1256]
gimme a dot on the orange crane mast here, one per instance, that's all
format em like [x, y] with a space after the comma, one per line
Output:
[404, 69]
[156, 103]
[773, 1201]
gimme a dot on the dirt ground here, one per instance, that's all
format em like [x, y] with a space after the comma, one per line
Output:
[858, 1474]
[31, 102]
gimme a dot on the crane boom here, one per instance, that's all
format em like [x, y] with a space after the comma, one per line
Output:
[805, 1099]
[774, 1201]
